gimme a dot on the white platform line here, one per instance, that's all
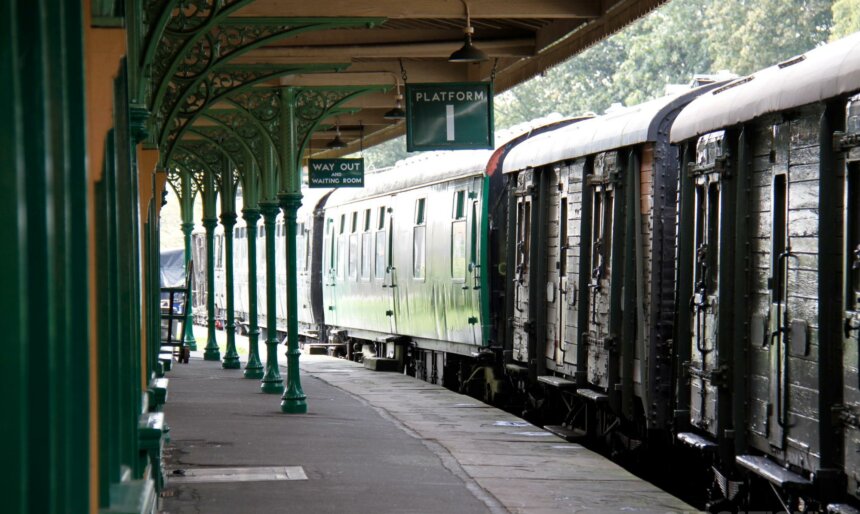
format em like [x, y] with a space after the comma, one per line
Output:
[257, 474]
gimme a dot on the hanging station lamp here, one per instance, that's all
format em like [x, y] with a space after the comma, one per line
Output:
[468, 52]
[337, 143]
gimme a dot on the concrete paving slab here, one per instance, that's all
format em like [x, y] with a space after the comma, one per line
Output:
[526, 468]
[355, 460]
[382, 442]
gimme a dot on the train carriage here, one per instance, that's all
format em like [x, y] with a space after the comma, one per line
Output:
[759, 331]
[849, 412]
[309, 236]
[593, 276]
[402, 259]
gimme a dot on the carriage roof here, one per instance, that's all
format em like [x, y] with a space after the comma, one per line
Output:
[430, 167]
[822, 73]
[624, 127]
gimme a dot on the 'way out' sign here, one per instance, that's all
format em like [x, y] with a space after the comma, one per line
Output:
[452, 116]
[336, 173]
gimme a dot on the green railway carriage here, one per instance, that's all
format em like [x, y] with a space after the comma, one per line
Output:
[402, 258]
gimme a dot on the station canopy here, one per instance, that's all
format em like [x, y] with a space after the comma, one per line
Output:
[209, 58]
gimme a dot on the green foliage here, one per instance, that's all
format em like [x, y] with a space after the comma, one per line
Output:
[672, 45]
[385, 154]
[747, 35]
[846, 18]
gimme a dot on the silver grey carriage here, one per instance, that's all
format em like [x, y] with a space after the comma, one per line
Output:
[769, 274]
[591, 263]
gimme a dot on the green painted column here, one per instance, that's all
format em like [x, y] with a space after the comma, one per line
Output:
[211, 352]
[294, 400]
[272, 381]
[231, 357]
[189, 340]
[254, 368]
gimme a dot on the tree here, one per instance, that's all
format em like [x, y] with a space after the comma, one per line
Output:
[385, 154]
[665, 48]
[747, 35]
[846, 18]
[671, 45]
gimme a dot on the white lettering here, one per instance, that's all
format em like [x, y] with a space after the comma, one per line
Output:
[450, 96]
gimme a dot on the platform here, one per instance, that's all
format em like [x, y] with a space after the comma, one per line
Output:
[375, 442]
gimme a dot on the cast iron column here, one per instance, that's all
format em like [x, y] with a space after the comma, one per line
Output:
[231, 357]
[272, 381]
[189, 340]
[293, 400]
[254, 368]
[211, 352]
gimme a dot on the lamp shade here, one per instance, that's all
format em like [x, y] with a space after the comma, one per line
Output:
[336, 143]
[468, 52]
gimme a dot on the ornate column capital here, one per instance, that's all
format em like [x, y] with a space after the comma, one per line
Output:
[138, 118]
[228, 219]
[251, 216]
[270, 211]
[290, 202]
[210, 223]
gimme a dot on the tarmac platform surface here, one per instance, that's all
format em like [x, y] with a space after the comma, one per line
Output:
[374, 442]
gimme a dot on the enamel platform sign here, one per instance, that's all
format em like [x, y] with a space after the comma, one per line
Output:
[336, 173]
[449, 116]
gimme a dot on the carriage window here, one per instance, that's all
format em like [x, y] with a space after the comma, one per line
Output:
[354, 226]
[366, 247]
[778, 233]
[597, 233]
[379, 272]
[701, 233]
[419, 212]
[458, 249]
[459, 205]
[562, 237]
[301, 247]
[712, 241]
[853, 233]
[332, 247]
[474, 247]
[524, 225]
[418, 243]
[353, 256]
[341, 248]
[700, 217]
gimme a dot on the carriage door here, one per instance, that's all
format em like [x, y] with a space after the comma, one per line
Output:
[383, 264]
[329, 275]
[566, 292]
[523, 192]
[704, 302]
[471, 258]
[851, 315]
[601, 342]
